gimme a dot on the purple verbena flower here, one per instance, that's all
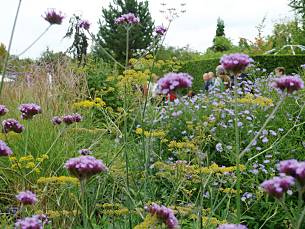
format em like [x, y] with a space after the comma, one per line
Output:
[173, 81]
[289, 83]
[69, 119]
[85, 166]
[85, 152]
[288, 167]
[300, 172]
[165, 214]
[129, 18]
[27, 197]
[12, 125]
[85, 24]
[160, 30]
[29, 110]
[232, 226]
[53, 17]
[235, 63]
[29, 223]
[277, 186]
[56, 120]
[3, 110]
[4, 149]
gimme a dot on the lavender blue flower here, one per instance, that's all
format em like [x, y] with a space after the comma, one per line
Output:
[4, 149]
[165, 214]
[277, 186]
[288, 83]
[160, 30]
[3, 110]
[235, 63]
[85, 24]
[53, 17]
[85, 166]
[219, 147]
[27, 197]
[56, 120]
[29, 223]
[129, 18]
[172, 81]
[232, 226]
[69, 119]
[29, 110]
[12, 125]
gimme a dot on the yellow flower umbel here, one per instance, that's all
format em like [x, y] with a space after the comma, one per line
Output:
[28, 162]
[259, 100]
[87, 104]
[149, 222]
[58, 180]
[151, 134]
[182, 145]
[112, 209]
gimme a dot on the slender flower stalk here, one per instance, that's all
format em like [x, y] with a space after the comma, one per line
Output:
[9, 48]
[35, 41]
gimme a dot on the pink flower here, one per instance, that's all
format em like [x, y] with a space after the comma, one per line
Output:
[235, 63]
[173, 81]
[277, 186]
[129, 18]
[289, 83]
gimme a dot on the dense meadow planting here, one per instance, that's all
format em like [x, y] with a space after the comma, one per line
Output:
[74, 156]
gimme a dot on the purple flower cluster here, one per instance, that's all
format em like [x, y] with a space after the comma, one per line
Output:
[69, 119]
[4, 149]
[29, 110]
[85, 166]
[236, 62]
[173, 81]
[3, 110]
[53, 17]
[277, 186]
[165, 214]
[160, 30]
[289, 83]
[129, 18]
[231, 226]
[33, 222]
[293, 168]
[12, 125]
[56, 120]
[85, 152]
[85, 24]
[27, 198]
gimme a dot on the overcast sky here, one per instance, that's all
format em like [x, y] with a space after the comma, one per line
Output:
[195, 28]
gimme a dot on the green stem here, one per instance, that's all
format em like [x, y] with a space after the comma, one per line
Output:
[27, 137]
[271, 116]
[35, 41]
[83, 202]
[301, 219]
[9, 48]
[237, 149]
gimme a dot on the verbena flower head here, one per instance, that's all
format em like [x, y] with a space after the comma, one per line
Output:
[3, 110]
[129, 18]
[160, 30]
[4, 149]
[85, 24]
[277, 186]
[53, 17]
[27, 197]
[56, 120]
[288, 167]
[173, 81]
[29, 110]
[300, 172]
[165, 214]
[85, 166]
[85, 152]
[232, 226]
[288, 83]
[29, 223]
[12, 125]
[235, 63]
[69, 119]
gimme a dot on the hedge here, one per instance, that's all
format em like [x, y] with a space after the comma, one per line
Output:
[269, 62]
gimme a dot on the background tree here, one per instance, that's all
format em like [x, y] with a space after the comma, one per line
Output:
[220, 29]
[299, 7]
[112, 37]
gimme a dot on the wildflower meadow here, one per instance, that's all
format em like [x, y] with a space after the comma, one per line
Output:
[133, 140]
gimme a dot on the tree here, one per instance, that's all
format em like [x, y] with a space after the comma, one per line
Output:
[299, 7]
[220, 29]
[112, 37]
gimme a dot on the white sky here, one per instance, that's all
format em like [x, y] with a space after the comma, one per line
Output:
[196, 27]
